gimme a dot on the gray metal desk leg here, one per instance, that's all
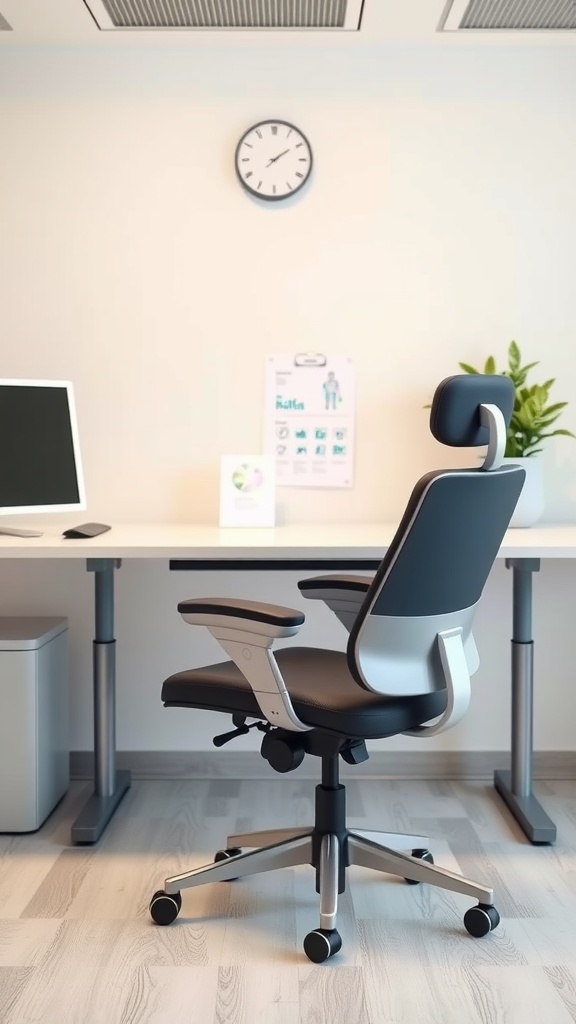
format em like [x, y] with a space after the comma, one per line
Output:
[515, 786]
[109, 785]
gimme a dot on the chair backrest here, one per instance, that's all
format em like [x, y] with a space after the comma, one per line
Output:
[432, 577]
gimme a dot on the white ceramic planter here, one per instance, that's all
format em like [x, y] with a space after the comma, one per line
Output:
[531, 501]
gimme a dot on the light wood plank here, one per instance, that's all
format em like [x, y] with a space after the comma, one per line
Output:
[24, 862]
[170, 995]
[23, 943]
[516, 995]
[564, 981]
[261, 925]
[250, 995]
[338, 995]
[13, 980]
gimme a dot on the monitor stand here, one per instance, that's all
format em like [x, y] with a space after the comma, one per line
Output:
[11, 531]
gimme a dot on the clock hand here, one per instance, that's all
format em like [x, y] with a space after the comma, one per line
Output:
[275, 158]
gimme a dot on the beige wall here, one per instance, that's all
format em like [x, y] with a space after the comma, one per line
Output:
[439, 225]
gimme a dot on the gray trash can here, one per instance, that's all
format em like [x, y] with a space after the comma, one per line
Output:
[34, 740]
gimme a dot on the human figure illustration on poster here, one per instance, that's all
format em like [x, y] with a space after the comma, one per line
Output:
[332, 396]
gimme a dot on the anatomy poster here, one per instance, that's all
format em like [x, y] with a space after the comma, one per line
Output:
[309, 422]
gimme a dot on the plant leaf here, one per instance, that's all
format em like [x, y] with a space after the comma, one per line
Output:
[529, 366]
[513, 356]
[547, 421]
[554, 433]
[556, 407]
[467, 368]
[490, 365]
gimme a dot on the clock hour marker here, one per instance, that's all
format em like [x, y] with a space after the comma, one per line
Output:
[289, 134]
[249, 144]
[258, 133]
[274, 189]
[249, 175]
[302, 159]
[298, 144]
[259, 185]
[245, 159]
[274, 129]
[298, 175]
[289, 185]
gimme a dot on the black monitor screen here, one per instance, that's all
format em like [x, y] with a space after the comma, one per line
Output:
[38, 463]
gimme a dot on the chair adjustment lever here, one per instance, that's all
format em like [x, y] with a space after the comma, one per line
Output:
[240, 730]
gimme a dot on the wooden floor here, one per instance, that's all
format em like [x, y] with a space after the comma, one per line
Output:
[77, 945]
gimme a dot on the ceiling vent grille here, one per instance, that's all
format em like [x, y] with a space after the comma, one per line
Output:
[4, 26]
[511, 16]
[226, 14]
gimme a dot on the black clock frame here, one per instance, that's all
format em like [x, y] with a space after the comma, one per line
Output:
[253, 191]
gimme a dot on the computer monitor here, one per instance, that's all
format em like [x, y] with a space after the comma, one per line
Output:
[40, 465]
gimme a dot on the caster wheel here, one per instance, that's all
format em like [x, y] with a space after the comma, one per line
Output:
[422, 855]
[480, 920]
[321, 944]
[226, 855]
[165, 907]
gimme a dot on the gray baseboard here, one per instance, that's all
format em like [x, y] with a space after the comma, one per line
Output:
[248, 764]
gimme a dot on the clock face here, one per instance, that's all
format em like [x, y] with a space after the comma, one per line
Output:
[273, 160]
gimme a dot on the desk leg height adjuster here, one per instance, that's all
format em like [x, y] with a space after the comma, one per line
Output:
[104, 670]
[515, 786]
[110, 785]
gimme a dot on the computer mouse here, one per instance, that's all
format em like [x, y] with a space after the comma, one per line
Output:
[85, 530]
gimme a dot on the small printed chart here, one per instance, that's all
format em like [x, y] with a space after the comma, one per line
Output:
[310, 406]
[247, 490]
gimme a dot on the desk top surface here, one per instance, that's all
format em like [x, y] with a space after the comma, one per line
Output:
[181, 540]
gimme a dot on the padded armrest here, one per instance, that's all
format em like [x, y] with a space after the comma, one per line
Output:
[257, 611]
[317, 584]
[246, 630]
[344, 595]
[227, 616]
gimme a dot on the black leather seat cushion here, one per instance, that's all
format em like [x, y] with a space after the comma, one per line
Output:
[323, 693]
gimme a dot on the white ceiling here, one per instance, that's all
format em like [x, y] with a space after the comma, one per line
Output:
[385, 22]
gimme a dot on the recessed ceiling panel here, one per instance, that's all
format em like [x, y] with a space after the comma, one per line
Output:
[511, 16]
[226, 14]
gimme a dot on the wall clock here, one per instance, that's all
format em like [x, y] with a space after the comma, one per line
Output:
[273, 160]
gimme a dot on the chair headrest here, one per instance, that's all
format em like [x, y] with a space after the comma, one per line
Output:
[456, 416]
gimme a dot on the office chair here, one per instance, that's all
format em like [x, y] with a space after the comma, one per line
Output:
[406, 668]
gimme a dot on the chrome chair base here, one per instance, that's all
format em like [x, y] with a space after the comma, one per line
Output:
[282, 848]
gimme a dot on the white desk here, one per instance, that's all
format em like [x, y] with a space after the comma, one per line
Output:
[317, 546]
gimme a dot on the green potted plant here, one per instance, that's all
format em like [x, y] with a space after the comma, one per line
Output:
[532, 417]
